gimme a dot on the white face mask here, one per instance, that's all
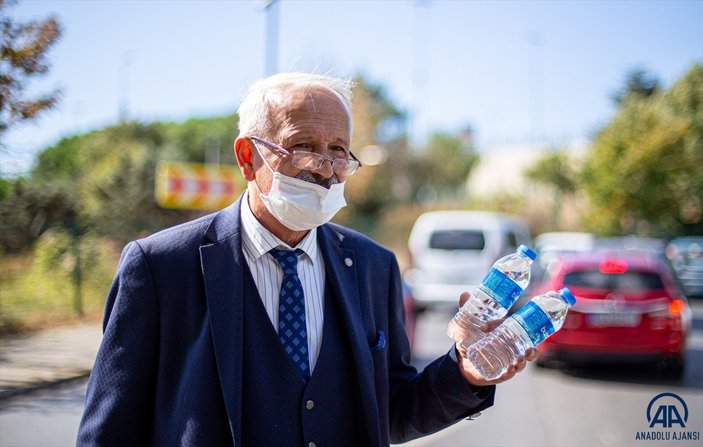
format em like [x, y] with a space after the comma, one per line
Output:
[301, 205]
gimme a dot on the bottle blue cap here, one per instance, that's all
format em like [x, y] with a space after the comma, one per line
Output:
[527, 251]
[567, 296]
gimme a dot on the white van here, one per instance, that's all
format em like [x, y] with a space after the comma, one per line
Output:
[453, 250]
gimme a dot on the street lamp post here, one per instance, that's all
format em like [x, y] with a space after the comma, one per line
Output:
[270, 64]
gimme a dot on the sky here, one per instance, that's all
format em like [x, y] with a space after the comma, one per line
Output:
[515, 72]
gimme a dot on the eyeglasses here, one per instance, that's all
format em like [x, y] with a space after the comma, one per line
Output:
[310, 161]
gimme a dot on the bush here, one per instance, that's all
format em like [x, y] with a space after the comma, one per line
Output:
[39, 288]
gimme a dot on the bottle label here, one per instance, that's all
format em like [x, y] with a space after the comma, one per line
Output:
[535, 322]
[503, 289]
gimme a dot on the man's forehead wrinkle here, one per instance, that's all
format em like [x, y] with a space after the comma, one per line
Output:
[293, 108]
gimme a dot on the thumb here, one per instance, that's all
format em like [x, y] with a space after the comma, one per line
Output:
[463, 298]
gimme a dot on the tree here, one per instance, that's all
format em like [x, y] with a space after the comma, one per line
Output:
[554, 170]
[23, 55]
[645, 171]
[448, 161]
[638, 84]
[371, 188]
[116, 194]
[28, 209]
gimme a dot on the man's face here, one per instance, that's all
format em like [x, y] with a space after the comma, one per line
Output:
[314, 121]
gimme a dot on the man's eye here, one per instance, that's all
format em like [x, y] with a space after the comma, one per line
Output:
[304, 146]
[338, 149]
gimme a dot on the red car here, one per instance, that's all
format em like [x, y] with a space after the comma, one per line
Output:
[629, 307]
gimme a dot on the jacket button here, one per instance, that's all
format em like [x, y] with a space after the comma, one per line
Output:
[348, 262]
[309, 405]
[312, 444]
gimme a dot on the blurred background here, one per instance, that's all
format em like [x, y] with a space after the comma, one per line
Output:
[582, 119]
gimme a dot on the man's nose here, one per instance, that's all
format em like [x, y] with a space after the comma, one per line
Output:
[325, 170]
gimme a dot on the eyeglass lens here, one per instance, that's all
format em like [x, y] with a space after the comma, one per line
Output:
[309, 161]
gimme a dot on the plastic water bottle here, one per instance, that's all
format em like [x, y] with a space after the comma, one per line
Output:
[526, 328]
[491, 299]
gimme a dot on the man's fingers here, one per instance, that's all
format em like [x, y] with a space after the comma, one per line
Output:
[464, 297]
[488, 326]
[531, 354]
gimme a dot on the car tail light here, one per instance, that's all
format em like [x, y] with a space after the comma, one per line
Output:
[613, 266]
[669, 313]
[676, 307]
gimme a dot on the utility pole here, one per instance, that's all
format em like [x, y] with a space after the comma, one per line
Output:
[271, 54]
[124, 86]
[536, 81]
[421, 56]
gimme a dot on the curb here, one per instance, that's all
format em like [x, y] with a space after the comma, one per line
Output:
[8, 393]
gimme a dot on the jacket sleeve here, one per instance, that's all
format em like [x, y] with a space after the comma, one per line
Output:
[119, 400]
[426, 402]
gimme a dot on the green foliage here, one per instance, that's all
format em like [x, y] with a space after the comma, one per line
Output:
[645, 169]
[555, 170]
[202, 140]
[448, 162]
[60, 162]
[5, 188]
[112, 170]
[370, 189]
[27, 209]
[117, 193]
[23, 55]
[40, 288]
[638, 84]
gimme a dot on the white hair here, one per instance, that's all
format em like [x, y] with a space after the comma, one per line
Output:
[254, 110]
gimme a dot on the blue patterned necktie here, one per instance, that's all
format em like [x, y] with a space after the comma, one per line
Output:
[291, 312]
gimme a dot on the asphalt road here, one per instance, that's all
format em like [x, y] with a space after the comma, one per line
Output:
[595, 406]
[603, 406]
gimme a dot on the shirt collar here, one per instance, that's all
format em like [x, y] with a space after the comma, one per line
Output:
[259, 240]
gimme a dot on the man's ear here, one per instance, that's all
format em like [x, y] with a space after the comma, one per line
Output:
[243, 150]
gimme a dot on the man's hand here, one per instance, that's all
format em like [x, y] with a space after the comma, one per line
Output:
[472, 375]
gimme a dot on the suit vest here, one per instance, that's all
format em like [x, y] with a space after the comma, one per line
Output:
[278, 409]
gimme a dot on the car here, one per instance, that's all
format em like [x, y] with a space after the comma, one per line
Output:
[686, 257]
[451, 252]
[552, 245]
[629, 308]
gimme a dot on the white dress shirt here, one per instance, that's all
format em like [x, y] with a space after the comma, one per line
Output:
[257, 241]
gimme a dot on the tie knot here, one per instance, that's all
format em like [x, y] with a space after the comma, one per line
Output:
[287, 259]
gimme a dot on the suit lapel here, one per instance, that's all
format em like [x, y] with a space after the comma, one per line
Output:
[341, 269]
[222, 267]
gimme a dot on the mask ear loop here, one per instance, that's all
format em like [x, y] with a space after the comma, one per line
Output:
[266, 162]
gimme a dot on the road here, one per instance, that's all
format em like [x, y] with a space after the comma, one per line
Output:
[47, 418]
[597, 406]
[604, 406]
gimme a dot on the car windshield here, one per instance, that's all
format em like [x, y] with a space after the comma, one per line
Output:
[630, 280]
[457, 240]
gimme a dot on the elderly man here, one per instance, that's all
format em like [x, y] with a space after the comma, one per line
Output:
[262, 324]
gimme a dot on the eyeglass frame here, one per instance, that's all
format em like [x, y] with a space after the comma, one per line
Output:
[290, 152]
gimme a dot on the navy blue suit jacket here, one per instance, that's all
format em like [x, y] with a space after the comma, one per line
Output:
[169, 368]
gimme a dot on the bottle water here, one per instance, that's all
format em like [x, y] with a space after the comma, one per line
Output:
[526, 328]
[491, 299]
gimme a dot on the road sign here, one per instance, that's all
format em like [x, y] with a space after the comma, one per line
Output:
[197, 186]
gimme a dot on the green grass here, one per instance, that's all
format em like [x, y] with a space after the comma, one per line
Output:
[37, 289]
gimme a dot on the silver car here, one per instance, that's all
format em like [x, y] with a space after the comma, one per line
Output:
[686, 257]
